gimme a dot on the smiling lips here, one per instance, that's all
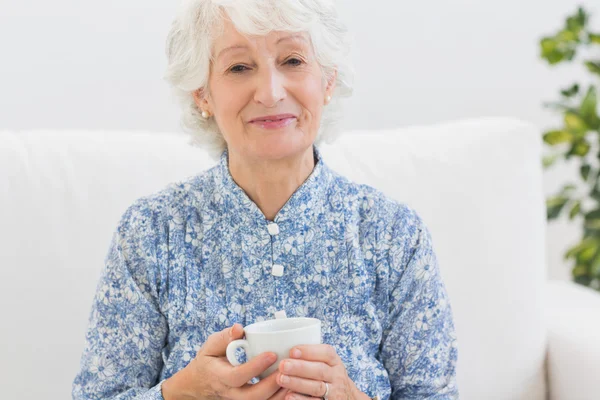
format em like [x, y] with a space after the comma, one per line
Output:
[274, 121]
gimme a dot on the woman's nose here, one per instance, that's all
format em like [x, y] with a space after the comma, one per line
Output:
[270, 88]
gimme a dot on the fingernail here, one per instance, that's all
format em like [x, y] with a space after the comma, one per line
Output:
[272, 358]
[284, 378]
[296, 353]
[287, 367]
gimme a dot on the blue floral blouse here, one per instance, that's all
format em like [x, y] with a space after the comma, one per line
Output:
[199, 256]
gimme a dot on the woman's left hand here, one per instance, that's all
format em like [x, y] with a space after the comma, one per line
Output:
[307, 370]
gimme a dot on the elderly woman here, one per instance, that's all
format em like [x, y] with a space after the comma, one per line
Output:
[270, 231]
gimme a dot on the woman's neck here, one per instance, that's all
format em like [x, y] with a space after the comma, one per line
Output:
[270, 183]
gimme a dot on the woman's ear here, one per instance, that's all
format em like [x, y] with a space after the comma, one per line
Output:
[201, 100]
[331, 82]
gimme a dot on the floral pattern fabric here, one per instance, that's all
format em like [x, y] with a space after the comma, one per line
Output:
[198, 257]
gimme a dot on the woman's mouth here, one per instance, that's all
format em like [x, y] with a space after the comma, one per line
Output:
[274, 121]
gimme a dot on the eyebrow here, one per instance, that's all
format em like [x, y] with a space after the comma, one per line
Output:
[235, 47]
[292, 37]
[241, 46]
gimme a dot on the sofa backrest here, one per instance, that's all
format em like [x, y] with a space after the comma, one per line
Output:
[476, 183]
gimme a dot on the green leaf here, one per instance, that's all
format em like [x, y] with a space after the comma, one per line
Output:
[563, 107]
[556, 201]
[593, 66]
[589, 103]
[550, 51]
[568, 35]
[582, 16]
[584, 171]
[587, 254]
[555, 57]
[594, 214]
[570, 92]
[572, 252]
[583, 280]
[595, 267]
[548, 45]
[595, 194]
[554, 206]
[581, 148]
[586, 243]
[558, 136]
[575, 210]
[578, 21]
[589, 108]
[594, 37]
[549, 160]
[575, 123]
[593, 224]
[579, 271]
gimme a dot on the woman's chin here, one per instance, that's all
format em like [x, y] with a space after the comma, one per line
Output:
[278, 144]
[279, 149]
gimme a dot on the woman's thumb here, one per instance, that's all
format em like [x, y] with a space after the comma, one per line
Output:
[216, 344]
[236, 332]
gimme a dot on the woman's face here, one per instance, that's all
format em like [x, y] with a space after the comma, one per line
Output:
[266, 93]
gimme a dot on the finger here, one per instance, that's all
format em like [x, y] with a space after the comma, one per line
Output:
[239, 375]
[216, 344]
[262, 390]
[316, 370]
[316, 352]
[280, 394]
[307, 387]
[299, 396]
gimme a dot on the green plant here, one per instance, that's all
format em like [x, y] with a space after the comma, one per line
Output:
[579, 139]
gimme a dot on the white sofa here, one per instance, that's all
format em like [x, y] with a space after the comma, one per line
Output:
[476, 183]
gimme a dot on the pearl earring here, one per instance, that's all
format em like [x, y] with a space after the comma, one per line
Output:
[205, 115]
[327, 99]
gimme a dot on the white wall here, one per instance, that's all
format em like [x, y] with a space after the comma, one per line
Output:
[74, 64]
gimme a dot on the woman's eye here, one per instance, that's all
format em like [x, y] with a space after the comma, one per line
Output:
[293, 62]
[238, 68]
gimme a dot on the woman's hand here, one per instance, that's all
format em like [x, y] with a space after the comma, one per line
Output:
[309, 368]
[211, 376]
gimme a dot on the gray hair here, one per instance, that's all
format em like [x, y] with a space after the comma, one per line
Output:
[199, 22]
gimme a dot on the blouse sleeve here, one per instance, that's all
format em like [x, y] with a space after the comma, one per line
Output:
[419, 348]
[122, 357]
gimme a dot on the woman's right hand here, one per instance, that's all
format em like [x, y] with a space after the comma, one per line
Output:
[210, 376]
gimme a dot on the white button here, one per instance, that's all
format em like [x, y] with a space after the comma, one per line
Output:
[273, 229]
[277, 270]
[280, 314]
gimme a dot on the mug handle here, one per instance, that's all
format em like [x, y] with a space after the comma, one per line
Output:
[231, 349]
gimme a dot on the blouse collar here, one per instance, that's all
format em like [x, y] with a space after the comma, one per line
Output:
[304, 203]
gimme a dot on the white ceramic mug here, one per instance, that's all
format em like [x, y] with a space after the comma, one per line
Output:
[278, 336]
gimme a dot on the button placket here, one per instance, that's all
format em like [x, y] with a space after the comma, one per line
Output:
[273, 229]
[277, 268]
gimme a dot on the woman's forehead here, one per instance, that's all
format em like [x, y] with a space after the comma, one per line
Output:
[231, 38]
